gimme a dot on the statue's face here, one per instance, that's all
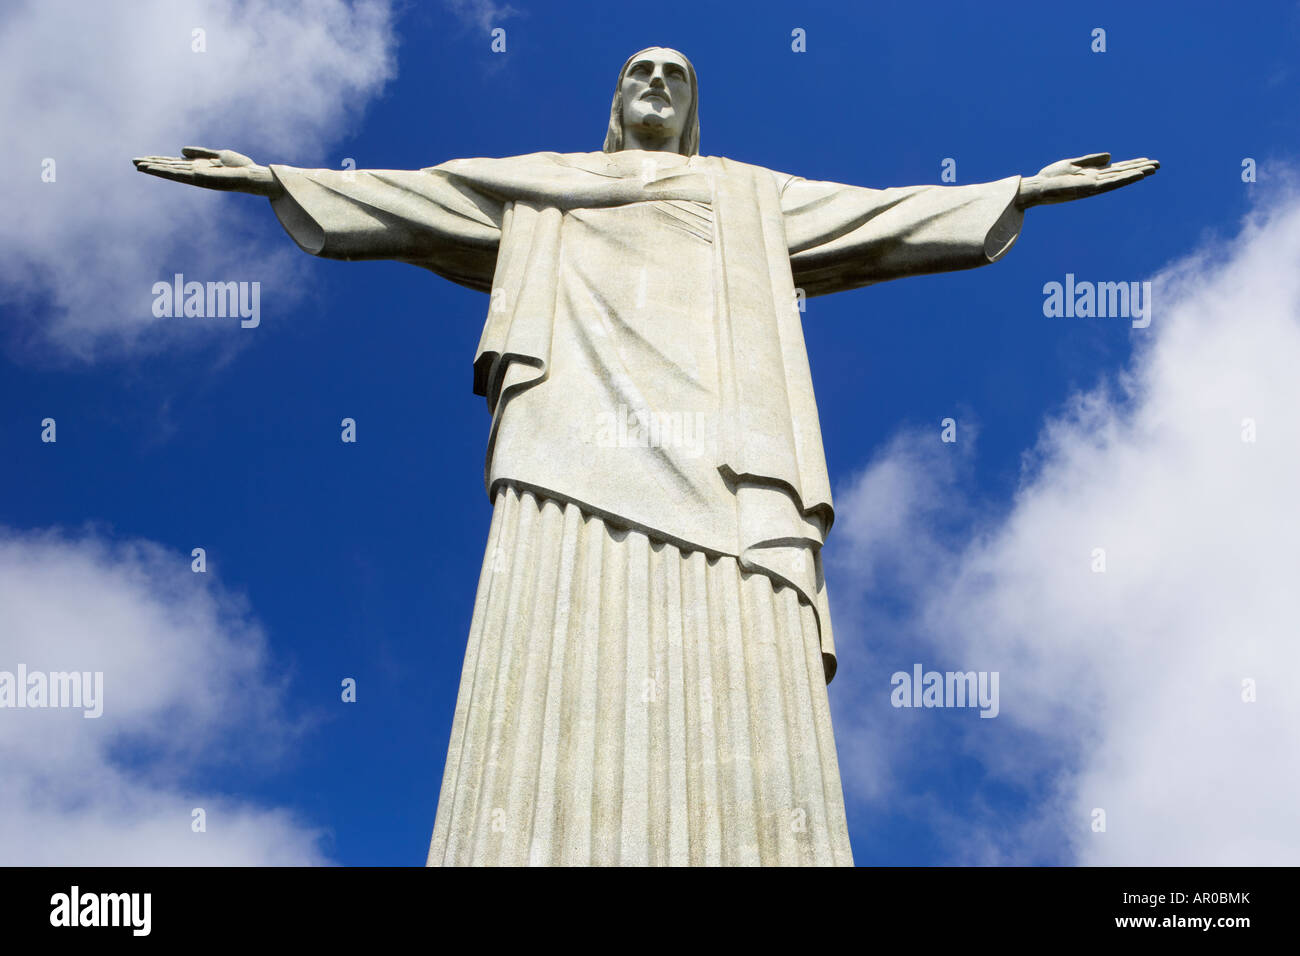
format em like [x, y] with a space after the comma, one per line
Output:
[657, 94]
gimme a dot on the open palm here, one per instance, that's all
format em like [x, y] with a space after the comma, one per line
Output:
[1084, 176]
[211, 169]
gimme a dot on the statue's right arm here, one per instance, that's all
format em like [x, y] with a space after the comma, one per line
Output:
[213, 169]
[431, 218]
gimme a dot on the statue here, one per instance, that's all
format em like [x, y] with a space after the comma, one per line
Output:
[645, 676]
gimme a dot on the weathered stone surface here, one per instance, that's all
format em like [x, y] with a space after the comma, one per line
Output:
[655, 463]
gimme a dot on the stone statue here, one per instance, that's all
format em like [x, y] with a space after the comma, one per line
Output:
[645, 676]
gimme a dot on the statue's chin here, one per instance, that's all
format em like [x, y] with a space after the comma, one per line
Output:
[645, 114]
[657, 129]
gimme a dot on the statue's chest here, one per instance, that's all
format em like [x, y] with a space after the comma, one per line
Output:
[640, 277]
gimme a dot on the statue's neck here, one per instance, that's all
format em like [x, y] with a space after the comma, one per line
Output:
[637, 139]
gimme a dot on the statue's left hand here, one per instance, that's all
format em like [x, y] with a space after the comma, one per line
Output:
[1078, 178]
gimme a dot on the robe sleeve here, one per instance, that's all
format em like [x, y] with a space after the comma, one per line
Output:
[426, 217]
[845, 237]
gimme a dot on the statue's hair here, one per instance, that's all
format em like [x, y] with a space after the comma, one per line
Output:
[689, 145]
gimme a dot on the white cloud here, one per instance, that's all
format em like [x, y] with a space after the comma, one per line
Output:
[93, 85]
[484, 14]
[186, 686]
[1120, 690]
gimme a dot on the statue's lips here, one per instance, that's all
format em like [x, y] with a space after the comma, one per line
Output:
[662, 97]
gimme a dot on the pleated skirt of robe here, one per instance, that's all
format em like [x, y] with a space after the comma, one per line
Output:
[624, 702]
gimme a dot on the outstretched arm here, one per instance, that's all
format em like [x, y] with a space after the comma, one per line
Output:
[844, 237]
[429, 218]
[222, 169]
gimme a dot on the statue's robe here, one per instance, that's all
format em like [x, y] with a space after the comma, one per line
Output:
[645, 676]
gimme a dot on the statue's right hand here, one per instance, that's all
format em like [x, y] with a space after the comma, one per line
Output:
[211, 169]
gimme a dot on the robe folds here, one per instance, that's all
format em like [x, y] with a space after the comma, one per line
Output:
[639, 295]
[625, 702]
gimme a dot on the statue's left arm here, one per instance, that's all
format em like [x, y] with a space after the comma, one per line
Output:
[844, 237]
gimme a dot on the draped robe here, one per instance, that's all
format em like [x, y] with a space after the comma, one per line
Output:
[643, 363]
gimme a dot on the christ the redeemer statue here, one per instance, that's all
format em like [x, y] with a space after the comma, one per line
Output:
[645, 676]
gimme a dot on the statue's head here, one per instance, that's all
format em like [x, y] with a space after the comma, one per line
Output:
[658, 96]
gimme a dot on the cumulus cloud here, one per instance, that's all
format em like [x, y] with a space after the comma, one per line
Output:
[186, 687]
[1120, 690]
[89, 86]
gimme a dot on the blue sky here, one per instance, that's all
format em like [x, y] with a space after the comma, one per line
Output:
[361, 560]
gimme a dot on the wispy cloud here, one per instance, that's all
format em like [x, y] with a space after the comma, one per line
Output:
[484, 14]
[1121, 690]
[89, 86]
[187, 685]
